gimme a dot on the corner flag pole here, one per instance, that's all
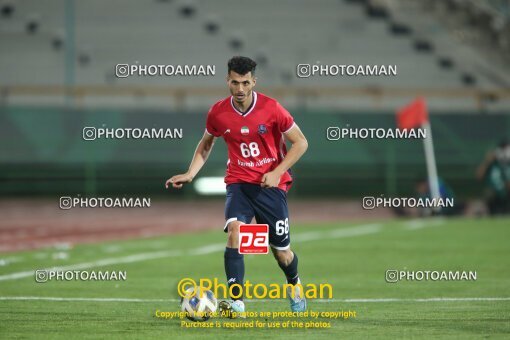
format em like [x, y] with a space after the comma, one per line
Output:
[414, 115]
[430, 158]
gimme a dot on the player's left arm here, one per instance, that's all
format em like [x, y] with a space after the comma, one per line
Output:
[297, 149]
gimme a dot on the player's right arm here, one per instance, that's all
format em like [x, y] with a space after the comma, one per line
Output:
[202, 152]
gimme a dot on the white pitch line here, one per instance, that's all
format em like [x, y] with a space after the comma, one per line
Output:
[381, 300]
[423, 223]
[338, 233]
[52, 298]
[212, 248]
[355, 231]
[417, 300]
[8, 260]
[303, 237]
[98, 263]
[309, 236]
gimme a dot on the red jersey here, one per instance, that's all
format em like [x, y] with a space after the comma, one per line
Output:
[254, 138]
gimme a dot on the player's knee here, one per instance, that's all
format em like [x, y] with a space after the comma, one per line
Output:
[233, 233]
[233, 227]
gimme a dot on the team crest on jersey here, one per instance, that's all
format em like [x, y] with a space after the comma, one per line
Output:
[262, 129]
[245, 130]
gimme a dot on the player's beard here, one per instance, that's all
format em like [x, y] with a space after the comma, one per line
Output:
[244, 98]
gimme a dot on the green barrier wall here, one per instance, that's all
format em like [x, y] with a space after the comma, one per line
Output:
[43, 153]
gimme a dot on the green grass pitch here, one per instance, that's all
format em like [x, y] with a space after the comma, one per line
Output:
[352, 257]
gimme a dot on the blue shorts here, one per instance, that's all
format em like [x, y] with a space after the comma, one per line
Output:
[267, 205]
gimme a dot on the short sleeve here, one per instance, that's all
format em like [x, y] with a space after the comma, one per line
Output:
[209, 124]
[285, 120]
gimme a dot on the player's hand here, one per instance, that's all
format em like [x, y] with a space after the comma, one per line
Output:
[178, 180]
[270, 180]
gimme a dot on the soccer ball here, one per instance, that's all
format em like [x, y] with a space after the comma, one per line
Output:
[199, 308]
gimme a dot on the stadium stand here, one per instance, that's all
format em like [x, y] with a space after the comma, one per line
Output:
[325, 32]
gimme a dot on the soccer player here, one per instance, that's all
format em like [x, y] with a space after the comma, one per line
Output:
[254, 127]
[495, 172]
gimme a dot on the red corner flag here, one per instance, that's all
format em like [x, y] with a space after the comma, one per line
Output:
[413, 114]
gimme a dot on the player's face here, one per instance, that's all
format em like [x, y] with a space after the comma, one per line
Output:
[241, 86]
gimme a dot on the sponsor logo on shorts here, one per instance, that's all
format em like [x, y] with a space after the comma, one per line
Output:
[254, 239]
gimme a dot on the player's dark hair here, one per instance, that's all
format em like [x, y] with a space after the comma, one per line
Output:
[242, 65]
